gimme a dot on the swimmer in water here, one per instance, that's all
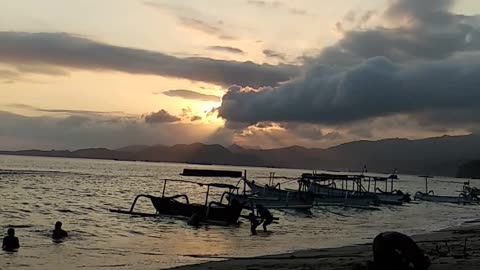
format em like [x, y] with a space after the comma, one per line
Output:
[10, 242]
[58, 232]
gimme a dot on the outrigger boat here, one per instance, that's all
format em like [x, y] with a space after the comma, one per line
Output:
[272, 197]
[211, 212]
[326, 193]
[467, 195]
[351, 186]
[392, 196]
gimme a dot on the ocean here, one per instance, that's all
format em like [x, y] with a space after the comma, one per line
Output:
[35, 192]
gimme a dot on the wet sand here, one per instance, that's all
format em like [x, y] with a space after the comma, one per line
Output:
[454, 248]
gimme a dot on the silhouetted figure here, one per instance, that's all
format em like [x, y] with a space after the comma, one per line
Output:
[396, 251]
[10, 242]
[58, 232]
[265, 216]
[253, 223]
[195, 219]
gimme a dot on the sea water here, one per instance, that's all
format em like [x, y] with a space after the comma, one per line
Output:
[35, 192]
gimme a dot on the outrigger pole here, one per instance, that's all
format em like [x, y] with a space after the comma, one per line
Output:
[426, 182]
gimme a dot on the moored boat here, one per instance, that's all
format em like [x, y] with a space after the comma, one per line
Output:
[351, 185]
[467, 195]
[273, 197]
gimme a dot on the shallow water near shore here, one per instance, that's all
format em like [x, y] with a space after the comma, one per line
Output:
[37, 191]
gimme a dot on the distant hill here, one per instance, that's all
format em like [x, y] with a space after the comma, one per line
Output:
[436, 156]
[470, 170]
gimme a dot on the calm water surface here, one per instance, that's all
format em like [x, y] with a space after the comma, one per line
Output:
[37, 191]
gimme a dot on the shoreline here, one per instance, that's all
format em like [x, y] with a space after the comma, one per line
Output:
[457, 246]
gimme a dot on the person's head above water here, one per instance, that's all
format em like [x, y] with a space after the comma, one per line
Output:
[11, 232]
[58, 225]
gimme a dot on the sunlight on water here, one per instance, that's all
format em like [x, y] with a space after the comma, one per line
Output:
[36, 192]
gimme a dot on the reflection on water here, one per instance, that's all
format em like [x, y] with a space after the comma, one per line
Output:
[36, 192]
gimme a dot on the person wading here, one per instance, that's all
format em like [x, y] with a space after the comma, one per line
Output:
[266, 217]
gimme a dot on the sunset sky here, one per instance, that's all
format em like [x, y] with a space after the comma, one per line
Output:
[258, 73]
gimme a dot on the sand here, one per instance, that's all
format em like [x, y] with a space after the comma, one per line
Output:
[455, 248]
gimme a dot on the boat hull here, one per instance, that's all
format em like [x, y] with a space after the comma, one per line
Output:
[215, 212]
[251, 201]
[420, 196]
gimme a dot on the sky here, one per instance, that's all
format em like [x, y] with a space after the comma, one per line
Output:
[257, 73]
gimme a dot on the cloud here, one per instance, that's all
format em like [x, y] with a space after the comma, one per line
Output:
[195, 118]
[67, 111]
[73, 132]
[298, 11]
[226, 49]
[204, 27]
[161, 116]
[275, 54]
[426, 65]
[265, 4]
[9, 74]
[189, 94]
[67, 51]
[74, 121]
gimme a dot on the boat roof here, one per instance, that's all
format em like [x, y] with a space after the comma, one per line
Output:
[327, 176]
[347, 177]
[211, 173]
[216, 185]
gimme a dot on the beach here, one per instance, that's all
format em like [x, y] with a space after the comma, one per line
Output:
[453, 248]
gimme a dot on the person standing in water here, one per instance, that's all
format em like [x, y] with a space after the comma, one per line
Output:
[266, 217]
[10, 242]
[253, 223]
[58, 232]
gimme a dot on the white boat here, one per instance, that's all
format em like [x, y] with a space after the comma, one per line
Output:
[421, 196]
[468, 195]
[251, 201]
[351, 185]
[273, 197]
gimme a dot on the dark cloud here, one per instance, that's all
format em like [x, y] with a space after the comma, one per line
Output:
[67, 51]
[161, 116]
[425, 66]
[426, 30]
[274, 54]
[226, 49]
[195, 118]
[188, 115]
[376, 87]
[189, 94]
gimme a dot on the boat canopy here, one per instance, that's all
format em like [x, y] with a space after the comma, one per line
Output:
[211, 173]
[216, 185]
[346, 177]
[326, 176]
